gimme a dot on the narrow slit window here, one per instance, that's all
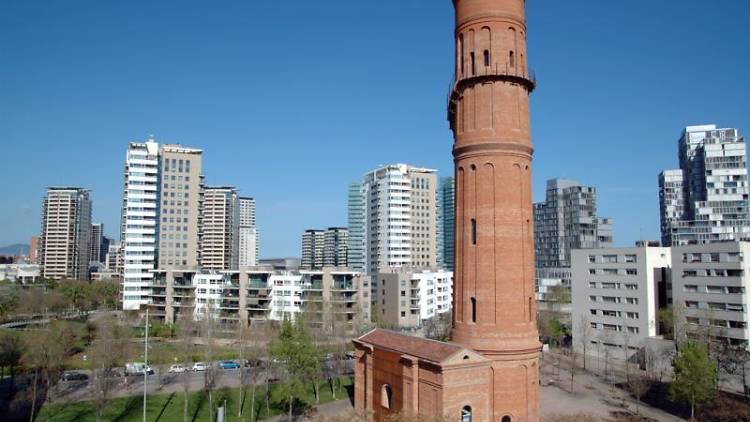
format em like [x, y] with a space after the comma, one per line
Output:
[486, 58]
[473, 64]
[512, 59]
[474, 310]
[461, 51]
[473, 231]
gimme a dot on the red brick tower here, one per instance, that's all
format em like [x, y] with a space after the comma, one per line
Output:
[494, 308]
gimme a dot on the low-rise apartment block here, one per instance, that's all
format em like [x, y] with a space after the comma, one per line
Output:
[258, 294]
[408, 297]
[616, 293]
[710, 290]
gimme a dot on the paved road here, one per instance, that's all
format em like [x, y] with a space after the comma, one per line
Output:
[168, 383]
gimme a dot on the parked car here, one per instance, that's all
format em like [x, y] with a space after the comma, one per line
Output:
[137, 368]
[177, 368]
[74, 376]
[199, 366]
[229, 364]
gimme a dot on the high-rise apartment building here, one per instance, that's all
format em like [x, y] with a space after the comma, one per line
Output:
[248, 232]
[446, 222]
[97, 243]
[356, 222]
[34, 252]
[335, 247]
[113, 259]
[65, 242]
[400, 210]
[219, 228]
[706, 200]
[139, 222]
[567, 220]
[179, 207]
[313, 244]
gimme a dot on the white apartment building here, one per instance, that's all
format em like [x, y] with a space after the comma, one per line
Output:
[409, 297]
[248, 232]
[219, 228]
[706, 200]
[209, 289]
[65, 241]
[400, 211]
[710, 291]
[616, 293]
[139, 224]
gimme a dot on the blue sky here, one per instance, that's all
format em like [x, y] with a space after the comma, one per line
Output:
[292, 100]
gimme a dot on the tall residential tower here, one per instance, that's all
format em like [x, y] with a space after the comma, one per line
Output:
[65, 242]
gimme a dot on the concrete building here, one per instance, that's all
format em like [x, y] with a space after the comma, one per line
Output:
[567, 220]
[20, 273]
[408, 298]
[491, 373]
[447, 222]
[179, 207]
[139, 222]
[34, 250]
[356, 222]
[219, 228]
[313, 244]
[96, 243]
[400, 217]
[706, 200]
[66, 233]
[616, 294]
[248, 232]
[335, 247]
[113, 258]
[255, 295]
[711, 292]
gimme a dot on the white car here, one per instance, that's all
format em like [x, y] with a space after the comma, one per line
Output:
[177, 369]
[199, 366]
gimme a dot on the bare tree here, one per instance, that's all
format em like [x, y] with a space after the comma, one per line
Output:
[584, 336]
[208, 328]
[439, 327]
[186, 328]
[243, 334]
[108, 351]
[638, 385]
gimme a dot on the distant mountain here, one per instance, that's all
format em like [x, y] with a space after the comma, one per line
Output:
[13, 250]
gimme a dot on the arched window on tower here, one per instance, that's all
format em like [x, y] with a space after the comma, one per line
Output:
[461, 51]
[474, 310]
[506, 418]
[386, 394]
[473, 231]
[466, 414]
[512, 59]
[486, 58]
[473, 64]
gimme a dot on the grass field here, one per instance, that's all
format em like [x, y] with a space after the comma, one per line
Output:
[169, 407]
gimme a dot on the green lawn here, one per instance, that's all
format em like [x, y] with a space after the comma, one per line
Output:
[169, 407]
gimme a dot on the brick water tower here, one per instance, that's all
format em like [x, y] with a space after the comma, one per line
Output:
[494, 306]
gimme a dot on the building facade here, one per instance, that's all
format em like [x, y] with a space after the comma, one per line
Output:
[616, 296]
[408, 298]
[400, 213]
[567, 220]
[179, 206]
[139, 222]
[332, 298]
[447, 222]
[356, 224]
[248, 232]
[96, 243]
[711, 292]
[336, 247]
[219, 228]
[65, 241]
[313, 244]
[706, 200]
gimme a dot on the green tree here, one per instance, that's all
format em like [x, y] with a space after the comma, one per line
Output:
[694, 376]
[11, 350]
[298, 359]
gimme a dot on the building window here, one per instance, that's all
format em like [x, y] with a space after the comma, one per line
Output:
[506, 418]
[466, 414]
[512, 61]
[486, 58]
[386, 394]
[473, 64]
[474, 310]
[473, 231]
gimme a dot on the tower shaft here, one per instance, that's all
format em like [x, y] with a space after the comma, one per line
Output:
[494, 305]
